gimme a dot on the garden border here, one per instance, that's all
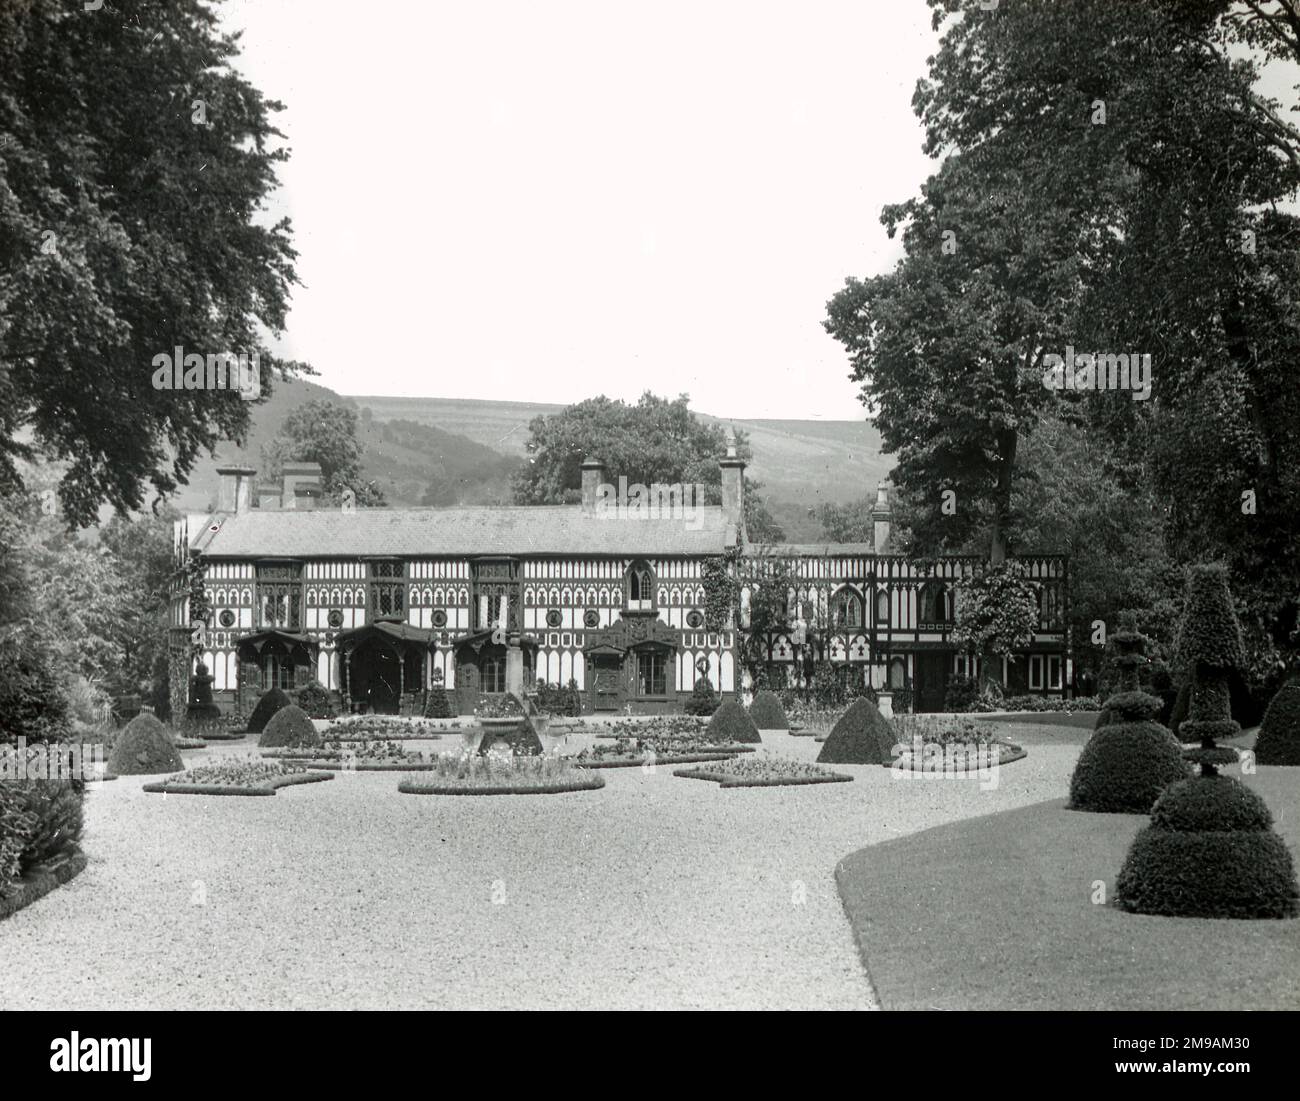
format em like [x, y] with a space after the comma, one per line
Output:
[43, 879]
[588, 783]
[1018, 753]
[725, 781]
[668, 759]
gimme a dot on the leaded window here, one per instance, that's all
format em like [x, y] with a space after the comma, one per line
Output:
[279, 596]
[387, 588]
[651, 673]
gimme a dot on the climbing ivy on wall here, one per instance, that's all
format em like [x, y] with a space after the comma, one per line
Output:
[721, 589]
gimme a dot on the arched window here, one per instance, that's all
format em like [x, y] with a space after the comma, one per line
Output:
[640, 587]
[897, 674]
[846, 609]
[882, 608]
[936, 603]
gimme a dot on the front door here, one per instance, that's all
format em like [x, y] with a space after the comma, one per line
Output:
[377, 679]
[605, 684]
[931, 681]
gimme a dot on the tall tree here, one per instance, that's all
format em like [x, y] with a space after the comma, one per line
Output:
[135, 164]
[324, 432]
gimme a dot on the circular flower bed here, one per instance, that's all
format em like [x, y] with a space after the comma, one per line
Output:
[950, 746]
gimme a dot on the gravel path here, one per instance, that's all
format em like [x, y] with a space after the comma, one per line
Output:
[655, 892]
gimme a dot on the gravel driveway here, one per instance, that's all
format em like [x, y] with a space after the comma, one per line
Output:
[655, 892]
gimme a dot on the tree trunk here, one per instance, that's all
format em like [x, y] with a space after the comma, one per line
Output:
[1008, 440]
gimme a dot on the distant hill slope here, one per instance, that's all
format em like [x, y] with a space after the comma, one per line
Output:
[443, 451]
[801, 463]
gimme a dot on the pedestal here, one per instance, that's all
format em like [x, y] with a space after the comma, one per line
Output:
[885, 704]
[515, 670]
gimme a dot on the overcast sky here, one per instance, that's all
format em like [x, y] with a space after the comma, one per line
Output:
[548, 200]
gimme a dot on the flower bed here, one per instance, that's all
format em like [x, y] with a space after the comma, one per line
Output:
[493, 775]
[808, 722]
[237, 776]
[630, 752]
[350, 756]
[761, 771]
[367, 728]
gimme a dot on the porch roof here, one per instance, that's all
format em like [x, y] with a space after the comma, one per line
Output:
[259, 639]
[388, 630]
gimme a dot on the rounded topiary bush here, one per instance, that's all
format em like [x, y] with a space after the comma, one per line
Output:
[731, 724]
[863, 736]
[289, 728]
[703, 700]
[767, 713]
[268, 705]
[144, 747]
[1209, 852]
[1124, 767]
[1279, 734]
[315, 699]
[437, 705]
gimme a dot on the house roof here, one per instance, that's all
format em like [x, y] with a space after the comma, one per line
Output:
[525, 530]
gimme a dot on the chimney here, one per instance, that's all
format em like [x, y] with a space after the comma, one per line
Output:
[306, 496]
[294, 475]
[236, 488]
[593, 475]
[733, 487]
[880, 513]
[268, 495]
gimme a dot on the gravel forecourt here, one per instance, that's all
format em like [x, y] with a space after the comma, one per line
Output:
[654, 892]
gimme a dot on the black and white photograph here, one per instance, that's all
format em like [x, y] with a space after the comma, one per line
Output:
[591, 506]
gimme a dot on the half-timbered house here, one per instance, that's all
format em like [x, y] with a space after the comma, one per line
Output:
[380, 605]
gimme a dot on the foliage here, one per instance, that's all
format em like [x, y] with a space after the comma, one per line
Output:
[766, 712]
[721, 590]
[243, 771]
[1209, 635]
[827, 689]
[862, 737]
[761, 769]
[438, 705]
[316, 700]
[289, 727]
[962, 693]
[501, 773]
[703, 700]
[654, 441]
[1050, 703]
[1279, 734]
[39, 820]
[144, 746]
[769, 581]
[270, 702]
[498, 707]
[731, 725]
[997, 611]
[324, 432]
[113, 258]
[1124, 767]
[554, 700]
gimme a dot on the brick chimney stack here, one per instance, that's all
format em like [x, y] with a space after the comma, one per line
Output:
[880, 518]
[235, 492]
[593, 475]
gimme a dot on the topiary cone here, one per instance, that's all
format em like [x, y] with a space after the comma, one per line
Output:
[767, 713]
[144, 747]
[268, 705]
[1279, 732]
[289, 728]
[731, 724]
[863, 736]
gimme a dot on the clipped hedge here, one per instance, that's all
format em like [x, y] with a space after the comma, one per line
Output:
[437, 704]
[703, 700]
[268, 787]
[1209, 633]
[1209, 852]
[315, 699]
[730, 723]
[289, 726]
[1124, 767]
[863, 736]
[144, 746]
[271, 702]
[766, 712]
[1279, 734]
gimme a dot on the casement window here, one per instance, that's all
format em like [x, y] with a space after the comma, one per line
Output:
[1054, 671]
[387, 588]
[846, 609]
[1036, 671]
[279, 596]
[640, 588]
[277, 672]
[936, 603]
[882, 609]
[651, 674]
[492, 675]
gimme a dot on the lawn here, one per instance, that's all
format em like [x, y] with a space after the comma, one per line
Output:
[996, 913]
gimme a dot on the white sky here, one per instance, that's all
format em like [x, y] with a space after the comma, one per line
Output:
[543, 200]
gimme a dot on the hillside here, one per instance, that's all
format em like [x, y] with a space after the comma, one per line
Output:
[443, 451]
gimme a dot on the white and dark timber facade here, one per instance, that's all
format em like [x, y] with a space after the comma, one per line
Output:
[380, 605]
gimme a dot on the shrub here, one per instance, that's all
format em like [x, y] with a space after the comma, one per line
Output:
[555, 700]
[33, 704]
[1124, 767]
[1209, 634]
[268, 705]
[315, 699]
[827, 688]
[144, 746]
[56, 810]
[962, 693]
[863, 736]
[730, 724]
[1209, 852]
[704, 700]
[767, 713]
[438, 704]
[289, 727]
[1279, 734]
[15, 824]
